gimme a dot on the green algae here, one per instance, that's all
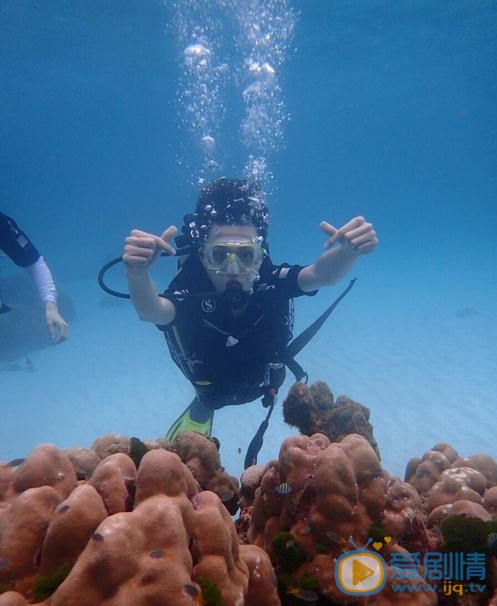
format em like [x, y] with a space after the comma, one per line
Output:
[45, 586]
[210, 592]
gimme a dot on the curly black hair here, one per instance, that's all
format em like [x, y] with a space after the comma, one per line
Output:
[233, 201]
[226, 202]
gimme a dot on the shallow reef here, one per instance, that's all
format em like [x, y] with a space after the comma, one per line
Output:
[131, 522]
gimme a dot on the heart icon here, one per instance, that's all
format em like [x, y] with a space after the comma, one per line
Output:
[377, 545]
[387, 539]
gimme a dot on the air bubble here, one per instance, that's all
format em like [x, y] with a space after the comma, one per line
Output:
[208, 143]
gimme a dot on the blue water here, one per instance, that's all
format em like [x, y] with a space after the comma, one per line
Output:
[393, 111]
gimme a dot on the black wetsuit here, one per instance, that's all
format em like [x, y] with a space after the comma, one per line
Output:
[231, 356]
[16, 244]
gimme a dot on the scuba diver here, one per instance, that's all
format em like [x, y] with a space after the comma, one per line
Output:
[16, 245]
[227, 315]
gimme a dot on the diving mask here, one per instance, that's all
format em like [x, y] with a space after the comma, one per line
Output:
[247, 255]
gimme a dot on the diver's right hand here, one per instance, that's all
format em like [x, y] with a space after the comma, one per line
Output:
[141, 249]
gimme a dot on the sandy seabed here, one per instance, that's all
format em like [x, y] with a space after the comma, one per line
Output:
[424, 367]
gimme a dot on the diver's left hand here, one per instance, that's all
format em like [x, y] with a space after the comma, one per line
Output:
[58, 328]
[357, 236]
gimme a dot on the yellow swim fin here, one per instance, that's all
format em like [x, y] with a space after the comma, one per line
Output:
[185, 423]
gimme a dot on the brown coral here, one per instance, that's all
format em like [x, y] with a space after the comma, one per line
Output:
[201, 456]
[46, 466]
[155, 536]
[114, 479]
[22, 530]
[313, 410]
[159, 544]
[447, 483]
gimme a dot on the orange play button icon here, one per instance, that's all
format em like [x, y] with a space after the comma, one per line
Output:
[360, 572]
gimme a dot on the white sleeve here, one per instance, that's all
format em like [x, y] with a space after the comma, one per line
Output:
[43, 279]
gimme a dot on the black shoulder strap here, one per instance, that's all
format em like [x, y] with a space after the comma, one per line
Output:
[301, 341]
